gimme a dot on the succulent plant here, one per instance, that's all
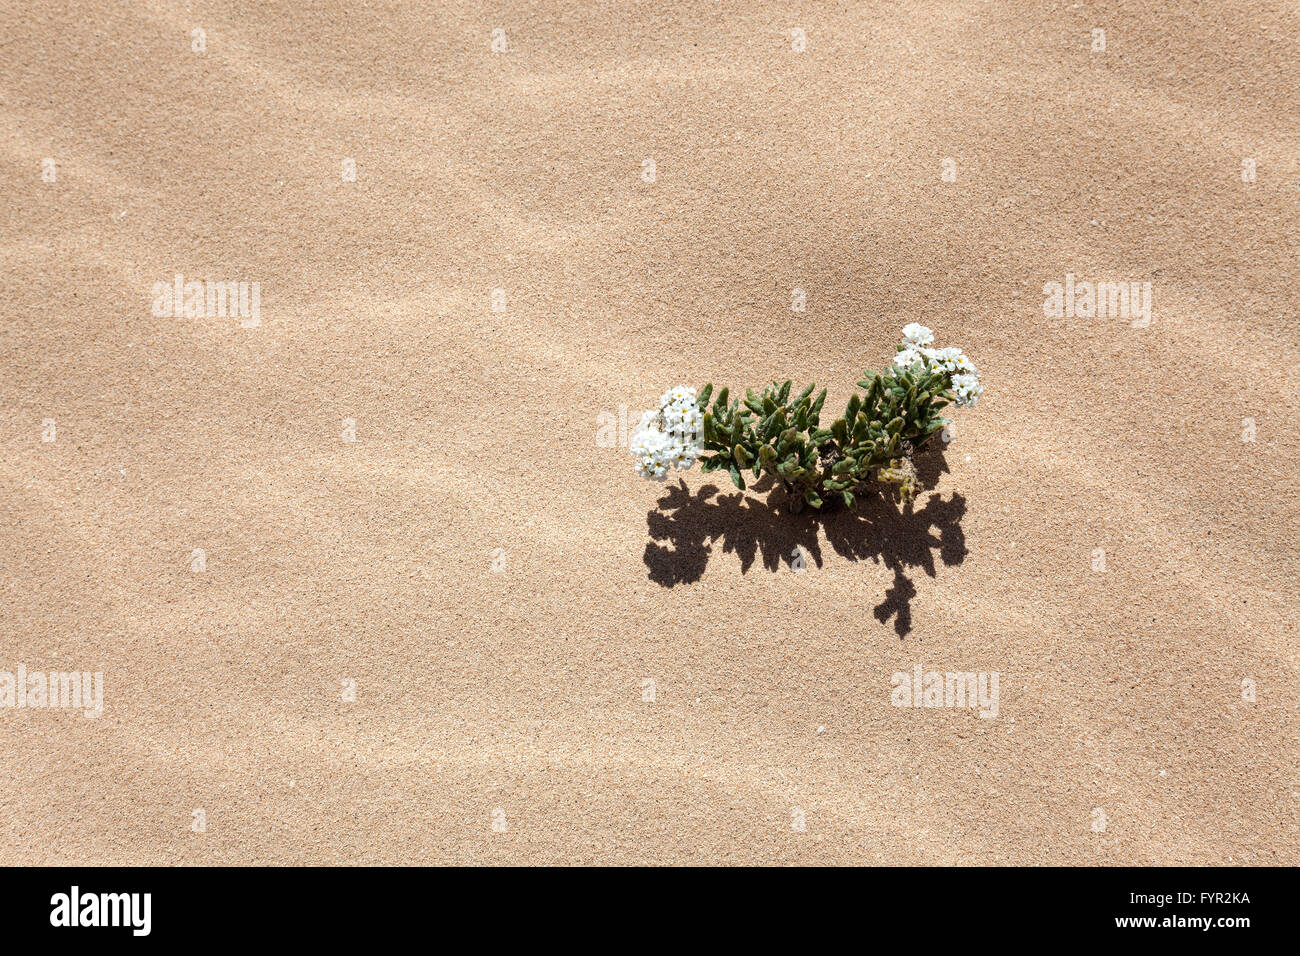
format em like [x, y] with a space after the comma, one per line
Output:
[777, 433]
[773, 432]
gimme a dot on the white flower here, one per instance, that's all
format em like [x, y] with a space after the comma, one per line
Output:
[652, 469]
[686, 421]
[646, 438]
[677, 395]
[955, 360]
[668, 437]
[916, 334]
[963, 376]
[967, 388]
[907, 358]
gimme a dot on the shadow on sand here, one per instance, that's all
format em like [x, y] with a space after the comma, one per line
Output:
[686, 528]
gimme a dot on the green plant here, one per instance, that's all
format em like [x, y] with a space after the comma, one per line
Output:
[775, 433]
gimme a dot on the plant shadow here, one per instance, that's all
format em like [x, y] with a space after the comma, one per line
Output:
[685, 529]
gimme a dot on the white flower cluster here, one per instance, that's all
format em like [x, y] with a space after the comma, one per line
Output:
[668, 437]
[961, 370]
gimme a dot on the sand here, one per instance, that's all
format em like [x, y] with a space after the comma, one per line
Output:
[551, 660]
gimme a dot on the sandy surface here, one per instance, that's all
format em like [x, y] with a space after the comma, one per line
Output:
[522, 689]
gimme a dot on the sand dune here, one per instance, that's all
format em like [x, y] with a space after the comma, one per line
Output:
[519, 694]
